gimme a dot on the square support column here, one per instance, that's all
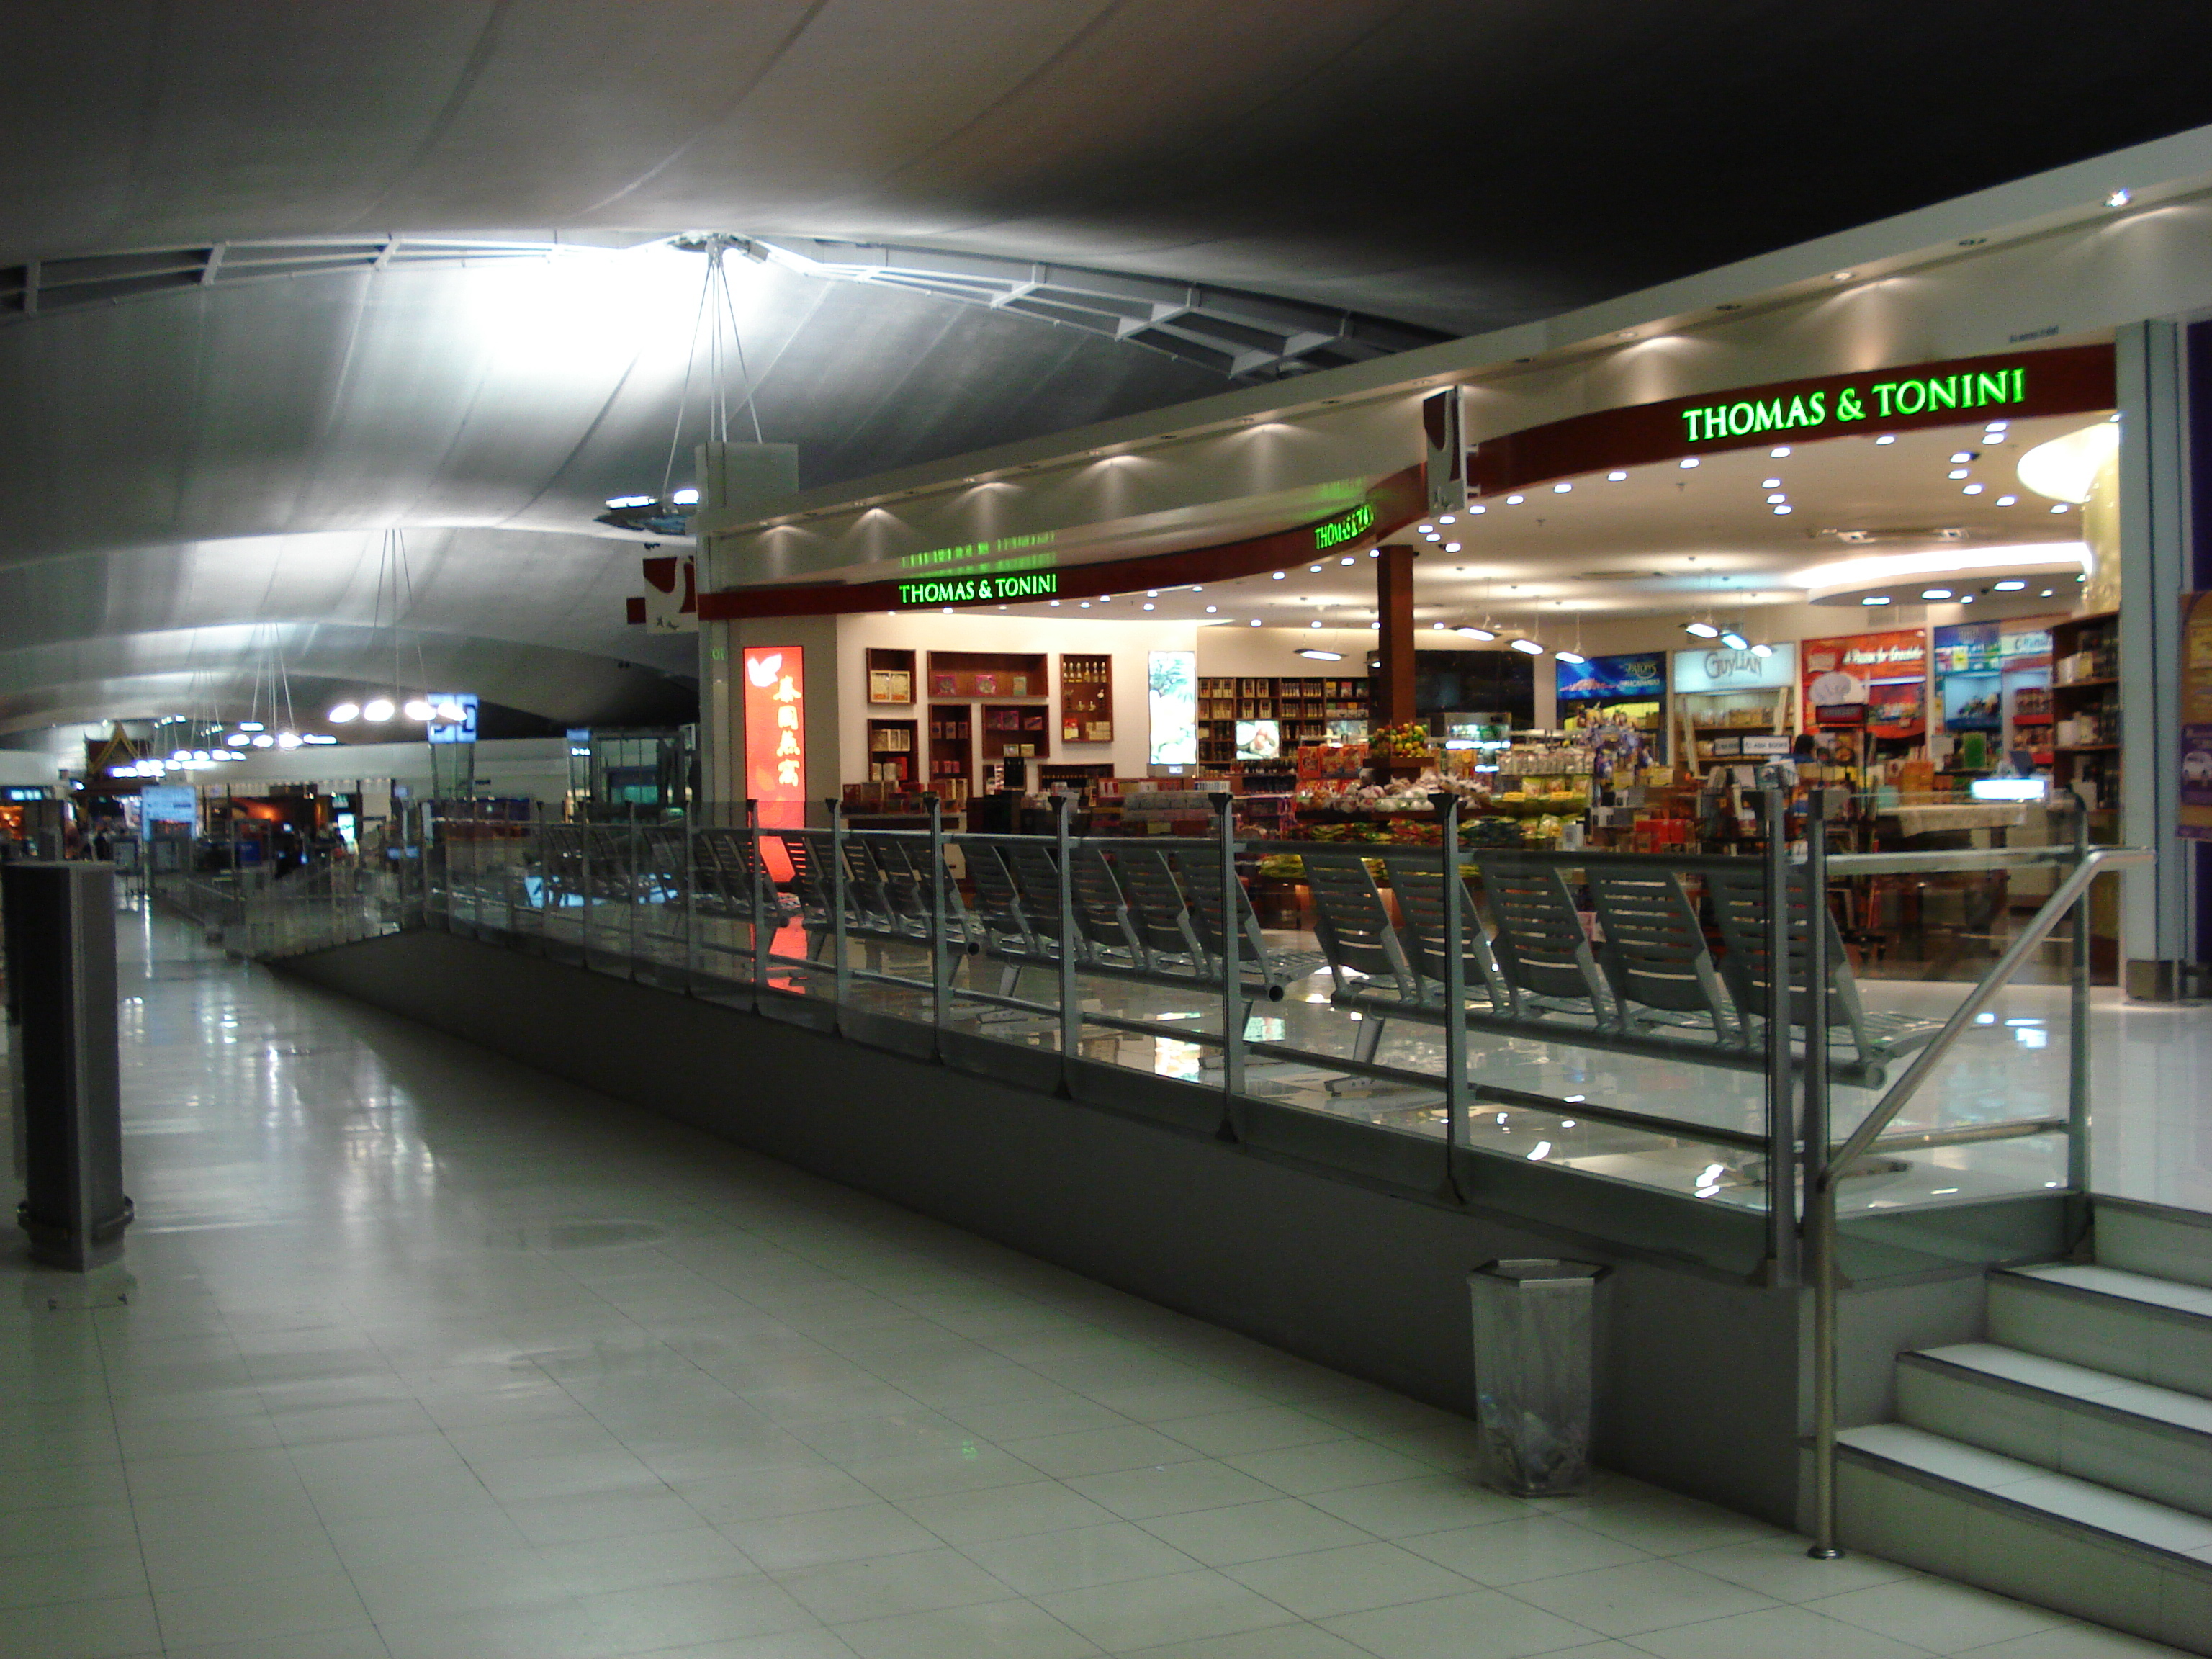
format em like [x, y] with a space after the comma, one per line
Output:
[1391, 696]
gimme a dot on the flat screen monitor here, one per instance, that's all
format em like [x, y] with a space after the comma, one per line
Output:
[1259, 741]
[1500, 682]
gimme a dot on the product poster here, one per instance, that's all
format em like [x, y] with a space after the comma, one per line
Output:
[2196, 808]
[1628, 677]
[1967, 647]
[1884, 675]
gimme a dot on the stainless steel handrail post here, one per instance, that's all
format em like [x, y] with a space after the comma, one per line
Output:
[1070, 1002]
[841, 968]
[763, 888]
[1232, 960]
[2078, 1047]
[1447, 806]
[1781, 1086]
[940, 985]
[1820, 1233]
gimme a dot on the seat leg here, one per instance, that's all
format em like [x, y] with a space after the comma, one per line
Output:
[1369, 1039]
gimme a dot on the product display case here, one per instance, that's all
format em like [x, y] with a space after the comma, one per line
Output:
[1086, 698]
[890, 676]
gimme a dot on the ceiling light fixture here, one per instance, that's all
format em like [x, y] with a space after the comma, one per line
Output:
[1687, 462]
[1570, 656]
[1322, 656]
[1474, 632]
[1734, 639]
[1527, 647]
[1935, 593]
[1780, 452]
[1515, 500]
[1875, 599]
[1616, 478]
[2011, 586]
[1887, 438]
[2119, 199]
[1701, 631]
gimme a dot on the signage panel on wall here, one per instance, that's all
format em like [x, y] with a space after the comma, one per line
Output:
[1171, 704]
[1719, 669]
[1967, 647]
[463, 730]
[1880, 675]
[775, 738]
[2195, 812]
[1643, 675]
[161, 803]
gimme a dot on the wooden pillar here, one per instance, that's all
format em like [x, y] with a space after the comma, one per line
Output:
[1391, 697]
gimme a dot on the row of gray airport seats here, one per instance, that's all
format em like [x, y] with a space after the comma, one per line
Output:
[1644, 975]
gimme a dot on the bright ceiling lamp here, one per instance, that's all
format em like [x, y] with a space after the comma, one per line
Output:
[1701, 631]
[1735, 640]
[1759, 649]
[2065, 469]
[344, 713]
[1883, 569]
[1570, 656]
[378, 709]
[316, 738]
[1528, 647]
[1474, 632]
[418, 708]
[1322, 656]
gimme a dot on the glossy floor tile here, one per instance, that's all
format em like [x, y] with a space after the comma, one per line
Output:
[416, 1354]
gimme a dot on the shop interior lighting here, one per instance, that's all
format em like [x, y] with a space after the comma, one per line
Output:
[2061, 507]
[1875, 599]
[1760, 649]
[1472, 511]
[1616, 478]
[1348, 559]
[1997, 426]
[1770, 484]
[1687, 463]
[345, 713]
[2008, 501]
[378, 709]
[2046, 593]
[1963, 457]
[1735, 640]
[1561, 488]
[1451, 547]
[1887, 438]
[1935, 593]
[263, 740]
[1279, 575]
[1515, 500]
[1570, 656]
[2119, 199]
[1780, 452]
[1956, 473]
[1474, 632]
[1446, 518]
[1529, 648]
[251, 725]
[1784, 511]
[1428, 530]
[2011, 586]
[316, 738]
[1701, 631]
[1323, 656]
[1776, 499]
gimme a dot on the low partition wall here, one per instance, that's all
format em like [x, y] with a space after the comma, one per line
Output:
[1703, 1383]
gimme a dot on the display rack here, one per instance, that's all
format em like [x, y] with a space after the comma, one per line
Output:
[1307, 710]
[987, 674]
[1704, 720]
[2084, 709]
[1015, 730]
[1086, 698]
[890, 676]
[952, 745]
[891, 754]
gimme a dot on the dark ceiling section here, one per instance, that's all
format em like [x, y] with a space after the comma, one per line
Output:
[1455, 164]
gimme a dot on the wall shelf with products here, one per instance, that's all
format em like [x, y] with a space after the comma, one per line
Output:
[1305, 710]
[987, 674]
[1086, 698]
[892, 757]
[952, 745]
[890, 676]
[2085, 754]
[1015, 731]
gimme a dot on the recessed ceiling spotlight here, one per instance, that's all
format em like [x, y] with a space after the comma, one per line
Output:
[2010, 587]
[1887, 438]
[2044, 594]
[1562, 489]
[1956, 473]
[1528, 647]
[1770, 484]
[1346, 559]
[1473, 510]
[1971, 489]
[1279, 575]
[1701, 631]
[1935, 593]
[1776, 499]
[1428, 529]
[1451, 547]
[1615, 477]
[2119, 199]
[2008, 501]
[1875, 599]
[1256, 622]
[1438, 627]
[1780, 452]
[1963, 456]
[1687, 462]
[1515, 500]
[1628, 334]
[1782, 511]
[1313, 624]
[2061, 507]
[1149, 605]
[1841, 276]
[1446, 519]
[1314, 569]
[1966, 598]
[1998, 426]
[1211, 609]
[1372, 553]
[1054, 603]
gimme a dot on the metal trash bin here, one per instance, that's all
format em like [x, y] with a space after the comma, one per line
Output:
[1535, 1364]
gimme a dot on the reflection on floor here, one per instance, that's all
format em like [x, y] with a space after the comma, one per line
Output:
[426, 1356]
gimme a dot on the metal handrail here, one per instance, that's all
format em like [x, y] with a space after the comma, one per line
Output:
[1821, 1241]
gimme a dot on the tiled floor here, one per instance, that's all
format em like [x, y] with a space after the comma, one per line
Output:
[426, 1356]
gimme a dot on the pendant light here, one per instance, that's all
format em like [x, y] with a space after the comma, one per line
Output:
[380, 707]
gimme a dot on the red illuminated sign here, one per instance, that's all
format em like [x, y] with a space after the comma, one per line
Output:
[775, 733]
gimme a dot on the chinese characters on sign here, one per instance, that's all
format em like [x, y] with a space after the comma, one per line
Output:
[775, 736]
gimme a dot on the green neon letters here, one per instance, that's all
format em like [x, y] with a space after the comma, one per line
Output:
[979, 590]
[1344, 527]
[1883, 399]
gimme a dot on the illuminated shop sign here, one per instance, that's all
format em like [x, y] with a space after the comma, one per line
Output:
[1345, 527]
[1867, 397]
[975, 590]
[1719, 669]
[775, 733]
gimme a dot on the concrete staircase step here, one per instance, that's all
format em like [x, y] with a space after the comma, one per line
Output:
[2156, 1240]
[2022, 1530]
[2129, 1324]
[2134, 1437]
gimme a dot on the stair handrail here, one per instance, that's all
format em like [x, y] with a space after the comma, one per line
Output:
[1830, 1162]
